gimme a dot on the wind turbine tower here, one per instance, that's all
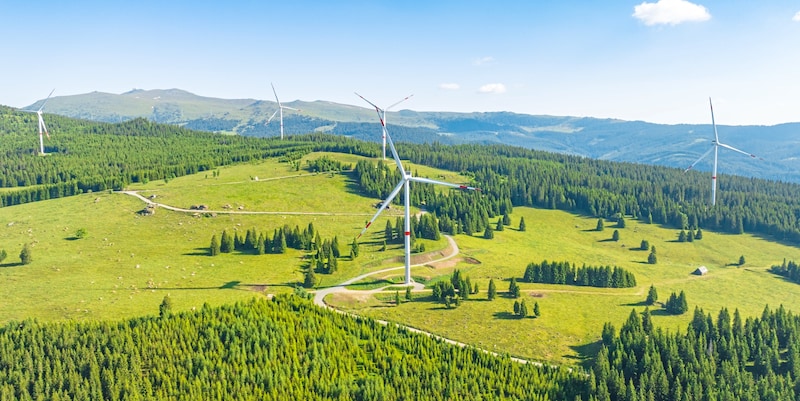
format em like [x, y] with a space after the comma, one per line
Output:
[280, 109]
[382, 117]
[42, 126]
[715, 145]
[404, 184]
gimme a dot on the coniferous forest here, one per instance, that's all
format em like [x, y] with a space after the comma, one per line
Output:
[280, 349]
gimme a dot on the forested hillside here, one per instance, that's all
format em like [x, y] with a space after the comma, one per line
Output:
[96, 156]
[283, 349]
[718, 358]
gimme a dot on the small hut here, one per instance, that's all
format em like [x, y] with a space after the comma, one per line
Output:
[701, 271]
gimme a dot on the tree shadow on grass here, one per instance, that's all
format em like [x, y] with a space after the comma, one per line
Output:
[15, 264]
[586, 353]
[642, 303]
[505, 316]
[230, 285]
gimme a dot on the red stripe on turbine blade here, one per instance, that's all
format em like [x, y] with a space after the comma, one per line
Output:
[463, 187]
[368, 224]
[408, 232]
[714, 177]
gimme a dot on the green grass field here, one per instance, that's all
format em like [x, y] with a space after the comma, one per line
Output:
[573, 317]
[128, 263]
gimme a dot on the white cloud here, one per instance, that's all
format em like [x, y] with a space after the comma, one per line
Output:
[450, 86]
[796, 17]
[483, 60]
[670, 12]
[492, 88]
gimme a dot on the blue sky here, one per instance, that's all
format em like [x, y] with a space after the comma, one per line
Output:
[657, 60]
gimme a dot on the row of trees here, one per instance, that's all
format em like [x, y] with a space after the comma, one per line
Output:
[280, 349]
[567, 273]
[282, 238]
[715, 359]
[789, 269]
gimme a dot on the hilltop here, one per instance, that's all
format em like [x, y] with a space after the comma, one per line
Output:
[605, 139]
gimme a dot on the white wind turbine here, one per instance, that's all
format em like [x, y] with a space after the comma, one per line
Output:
[280, 109]
[42, 126]
[382, 117]
[404, 184]
[715, 145]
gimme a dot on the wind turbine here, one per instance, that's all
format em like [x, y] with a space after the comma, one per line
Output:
[404, 184]
[42, 126]
[715, 145]
[280, 109]
[382, 117]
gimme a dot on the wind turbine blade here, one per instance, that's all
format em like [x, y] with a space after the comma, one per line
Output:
[714, 124]
[737, 150]
[430, 181]
[701, 158]
[394, 153]
[272, 116]
[290, 108]
[377, 109]
[47, 98]
[276, 95]
[45, 129]
[401, 101]
[385, 204]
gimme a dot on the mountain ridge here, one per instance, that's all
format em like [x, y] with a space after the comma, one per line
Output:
[673, 145]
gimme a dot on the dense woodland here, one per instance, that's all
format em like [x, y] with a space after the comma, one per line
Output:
[567, 273]
[722, 358]
[283, 349]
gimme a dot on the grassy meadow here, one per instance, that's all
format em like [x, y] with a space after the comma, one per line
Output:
[127, 263]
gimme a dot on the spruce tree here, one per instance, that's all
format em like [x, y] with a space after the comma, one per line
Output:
[652, 295]
[682, 236]
[408, 293]
[25, 256]
[388, 231]
[488, 233]
[499, 226]
[513, 288]
[214, 248]
[645, 245]
[621, 221]
[335, 247]
[165, 309]
[225, 245]
[690, 236]
[600, 224]
[310, 278]
[741, 260]
[523, 309]
[615, 235]
[3, 255]
[506, 219]
[536, 311]
[397, 298]
[699, 234]
[492, 292]
[652, 258]
[354, 248]
[522, 224]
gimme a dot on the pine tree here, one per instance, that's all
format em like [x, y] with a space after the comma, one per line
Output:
[388, 231]
[652, 295]
[513, 288]
[354, 248]
[741, 260]
[226, 245]
[165, 309]
[600, 224]
[615, 235]
[645, 245]
[310, 278]
[621, 221]
[536, 311]
[682, 236]
[690, 236]
[214, 248]
[652, 258]
[522, 224]
[335, 247]
[523, 309]
[397, 298]
[3, 255]
[499, 226]
[488, 233]
[25, 256]
[506, 219]
[408, 293]
[699, 234]
[516, 308]
[492, 292]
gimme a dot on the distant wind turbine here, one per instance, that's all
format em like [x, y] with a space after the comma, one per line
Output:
[280, 109]
[404, 184]
[382, 116]
[715, 145]
[42, 126]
